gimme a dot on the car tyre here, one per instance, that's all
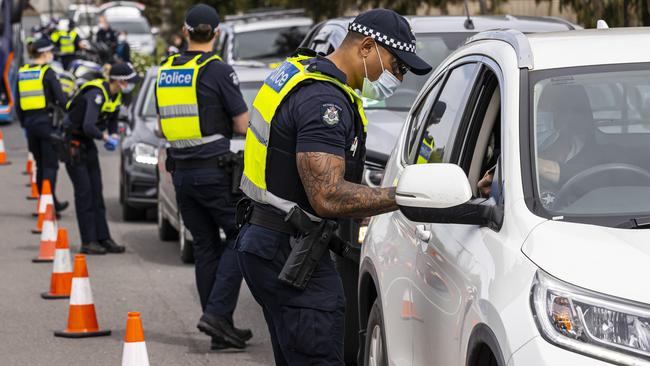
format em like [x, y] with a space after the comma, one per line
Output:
[131, 213]
[166, 231]
[375, 347]
[187, 251]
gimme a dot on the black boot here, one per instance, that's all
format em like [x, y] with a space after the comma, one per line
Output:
[111, 246]
[244, 334]
[92, 248]
[217, 326]
[60, 206]
[220, 344]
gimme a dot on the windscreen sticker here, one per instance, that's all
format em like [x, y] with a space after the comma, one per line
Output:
[280, 76]
[176, 78]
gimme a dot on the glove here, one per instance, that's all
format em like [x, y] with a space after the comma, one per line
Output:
[111, 143]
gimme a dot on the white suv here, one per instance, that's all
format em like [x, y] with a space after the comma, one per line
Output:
[552, 268]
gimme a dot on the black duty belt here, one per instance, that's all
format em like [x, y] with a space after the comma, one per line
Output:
[212, 162]
[270, 220]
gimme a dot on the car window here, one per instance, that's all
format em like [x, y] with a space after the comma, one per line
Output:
[149, 103]
[445, 114]
[136, 26]
[268, 44]
[420, 114]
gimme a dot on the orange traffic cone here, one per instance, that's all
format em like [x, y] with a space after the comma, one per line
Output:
[29, 164]
[3, 153]
[61, 280]
[48, 237]
[32, 182]
[82, 320]
[135, 350]
[408, 307]
[45, 199]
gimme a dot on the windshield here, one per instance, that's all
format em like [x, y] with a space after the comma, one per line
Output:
[591, 132]
[268, 44]
[433, 48]
[87, 19]
[131, 27]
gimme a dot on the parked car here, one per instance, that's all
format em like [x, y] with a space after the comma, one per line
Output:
[140, 35]
[85, 19]
[551, 267]
[261, 38]
[437, 37]
[139, 152]
[170, 222]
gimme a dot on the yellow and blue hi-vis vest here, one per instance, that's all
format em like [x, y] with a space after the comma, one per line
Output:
[30, 87]
[109, 106]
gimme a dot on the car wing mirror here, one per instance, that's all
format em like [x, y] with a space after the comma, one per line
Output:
[441, 193]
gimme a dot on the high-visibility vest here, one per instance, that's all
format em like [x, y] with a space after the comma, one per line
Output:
[65, 40]
[67, 85]
[276, 87]
[109, 106]
[30, 87]
[177, 100]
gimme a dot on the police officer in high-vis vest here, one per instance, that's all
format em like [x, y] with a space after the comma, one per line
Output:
[67, 42]
[200, 106]
[304, 154]
[39, 92]
[92, 115]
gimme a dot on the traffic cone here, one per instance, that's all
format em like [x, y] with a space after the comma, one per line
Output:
[48, 237]
[45, 199]
[82, 320]
[3, 153]
[61, 279]
[135, 350]
[408, 307]
[32, 182]
[29, 164]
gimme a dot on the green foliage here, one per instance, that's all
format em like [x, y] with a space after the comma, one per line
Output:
[142, 62]
[617, 13]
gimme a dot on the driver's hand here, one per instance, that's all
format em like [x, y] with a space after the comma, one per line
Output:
[549, 169]
[485, 184]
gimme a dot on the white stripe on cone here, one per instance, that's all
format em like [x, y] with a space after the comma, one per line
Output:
[135, 354]
[2, 146]
[49, 231]
[81, 293]
[30, 156]
[62, 262]
[45, 200]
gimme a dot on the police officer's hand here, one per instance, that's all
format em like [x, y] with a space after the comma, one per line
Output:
[111, 143]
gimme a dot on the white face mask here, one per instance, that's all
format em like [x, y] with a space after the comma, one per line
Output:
[381, 88]
[121, 38]
[128, 88]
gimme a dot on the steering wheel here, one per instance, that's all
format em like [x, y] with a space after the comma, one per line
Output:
[584, 176]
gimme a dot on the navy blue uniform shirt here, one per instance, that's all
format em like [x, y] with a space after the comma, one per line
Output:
[53, 95]
[219, 100]
[86, 116]
[318, 117]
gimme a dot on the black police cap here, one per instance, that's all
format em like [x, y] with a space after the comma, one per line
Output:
[394, 32]
[201, 14]
[42, 45]
[123, 72]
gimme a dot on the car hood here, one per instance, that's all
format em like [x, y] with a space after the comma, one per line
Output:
[384, 126]
[606, 260]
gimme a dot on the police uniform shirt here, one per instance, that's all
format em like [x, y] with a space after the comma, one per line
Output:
[86, 115]
[317, 117]
[219, 99]
[53, 94]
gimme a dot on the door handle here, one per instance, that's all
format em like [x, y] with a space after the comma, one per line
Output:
[422, 233]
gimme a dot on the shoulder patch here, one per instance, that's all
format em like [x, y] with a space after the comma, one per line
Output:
[99, 99]
[330, 114]
[234, 78]
[280, 76]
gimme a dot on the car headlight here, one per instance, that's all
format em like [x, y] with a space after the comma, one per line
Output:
[610, 329]
[145, 154]
[372, 176]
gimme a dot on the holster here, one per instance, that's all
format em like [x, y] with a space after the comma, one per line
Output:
[69, 150]
[170, 164]
[233, 164]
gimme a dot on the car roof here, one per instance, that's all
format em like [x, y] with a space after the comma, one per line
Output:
[450, 24]
[238, 27]
[122, 12]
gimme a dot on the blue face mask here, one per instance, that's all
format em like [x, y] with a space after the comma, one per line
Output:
[545, 131]
[381, 88]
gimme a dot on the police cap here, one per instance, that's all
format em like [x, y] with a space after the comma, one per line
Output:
[392, 31]
[42, 45]
[201, 14]
[123, 72]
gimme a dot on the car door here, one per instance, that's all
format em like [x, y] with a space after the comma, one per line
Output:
[436, 294]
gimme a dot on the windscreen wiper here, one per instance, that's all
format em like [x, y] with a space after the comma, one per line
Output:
[636, 223]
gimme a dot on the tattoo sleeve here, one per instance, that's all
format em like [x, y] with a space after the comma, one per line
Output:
[331, 195]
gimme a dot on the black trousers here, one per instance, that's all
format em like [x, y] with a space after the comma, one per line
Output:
[41, 146]
[307, 327]
[206, 204]
[86, 180]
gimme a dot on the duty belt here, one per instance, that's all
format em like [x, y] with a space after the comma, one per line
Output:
[212, 162]
[264, 218]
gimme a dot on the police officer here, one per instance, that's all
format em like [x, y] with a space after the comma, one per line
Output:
[39, 92]
[200, 107]
[91, 112]
[68, 42]
[306, 147]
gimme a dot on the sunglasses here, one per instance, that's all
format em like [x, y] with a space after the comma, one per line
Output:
[399, 68]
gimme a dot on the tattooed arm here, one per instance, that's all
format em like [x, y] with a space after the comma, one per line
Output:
[332, 196]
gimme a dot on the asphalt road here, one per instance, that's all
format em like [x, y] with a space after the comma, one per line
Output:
[148, 278]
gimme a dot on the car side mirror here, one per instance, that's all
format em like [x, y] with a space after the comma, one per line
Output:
[441, 193]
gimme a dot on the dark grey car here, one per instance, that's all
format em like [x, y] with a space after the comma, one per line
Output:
[139, 153]
[170, 222]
